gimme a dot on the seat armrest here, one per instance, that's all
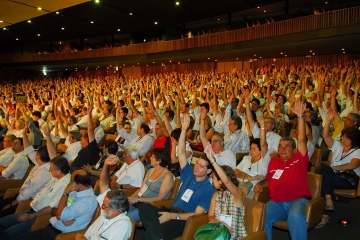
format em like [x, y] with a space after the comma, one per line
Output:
[262, 196]
[192, 224]
[260, 235]
[7, 184]
[166, 203]
[23, 206]
[314, 211]
[70, 235]
[11, 192]
[40, 222]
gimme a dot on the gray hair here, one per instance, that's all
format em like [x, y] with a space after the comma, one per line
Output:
[11, 137]
[273, 121]
[75, 134]
[133, 152]
[118, 201]
[290, 139]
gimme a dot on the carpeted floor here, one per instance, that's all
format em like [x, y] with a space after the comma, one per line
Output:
[349, 211]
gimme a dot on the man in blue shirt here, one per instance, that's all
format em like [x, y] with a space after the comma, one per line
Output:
[75, 210]
[193, 197]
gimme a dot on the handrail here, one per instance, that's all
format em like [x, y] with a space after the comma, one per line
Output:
[308, 23]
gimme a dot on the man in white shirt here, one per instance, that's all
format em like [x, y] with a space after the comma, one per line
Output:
[82, 123]
[113, 222]
[19, 165]
[7, 154]
[74, 147]
[131, 173]
[48, 198]
[142, 141]
[37, 179]
[36, 116]
[98, 130]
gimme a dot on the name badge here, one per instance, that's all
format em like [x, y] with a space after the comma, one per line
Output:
[278, 174]
[226, 219]
[187, 195]
[143, 189]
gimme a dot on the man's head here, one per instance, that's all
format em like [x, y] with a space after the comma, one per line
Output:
[84, 111]
[19, 124]
[59, 167]
[202, 167]
[96, 122]
[9, 140]
[184, 108]
[84, 140]
[17, 145]
[234, 103]
[36, 115]
[255, 104]
[115, 203]
[158, 131]
[217, 143]
[311, 117]
[143, 129]
[71, 120]
[235, 124]
[131, 155]
[270, 123]
[81, 179]
[352, 120]
[42, 155]
[287, 148]
[206, 106]
[170, 114]
[74, 136]
[110, 147]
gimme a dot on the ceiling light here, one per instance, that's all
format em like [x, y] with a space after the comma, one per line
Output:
[237, 58]
[131, 14]
[264, 10]
[209, 58]
[29, 21]
[155, 23]
[118, 29]
[60, 42]
[144, 40]
[310, 50]
[218, 19]
[188, 60]
[254, 55]
[258, 7]
[147, 65]
[343, 49]
[326, 2]
[153, 62]
[343, 52]
[66, 69]
[62, 28]
[39, 34]
[17, 39]
[57, 12]
[215, 60]
[281, 53]
[4, 29]
[39, 8]
[138, 63]
[285, 55]
[170, 61]
[97, 1]
[177, 3]
[314, 53]
[1, 21]
[92, 21]
[260, 57]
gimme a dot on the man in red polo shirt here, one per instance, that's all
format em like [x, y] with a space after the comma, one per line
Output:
[287, 181]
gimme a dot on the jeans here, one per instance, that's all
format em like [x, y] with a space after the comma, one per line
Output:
[46, 233]
[331, 181]
[292, 212]
[133, 213]
[10, 227]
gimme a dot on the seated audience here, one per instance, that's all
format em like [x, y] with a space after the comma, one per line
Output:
[18, 167]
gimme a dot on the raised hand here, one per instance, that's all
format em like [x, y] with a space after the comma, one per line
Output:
[299, 107]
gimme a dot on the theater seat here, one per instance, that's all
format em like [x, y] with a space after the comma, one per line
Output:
[348, 193]
[314, 208]
[254, 222]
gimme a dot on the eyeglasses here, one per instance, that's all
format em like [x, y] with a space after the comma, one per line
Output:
[215, 141]
[287, 147]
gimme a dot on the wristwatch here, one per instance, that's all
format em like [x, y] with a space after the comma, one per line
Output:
[121, 187]
[138, 199]
[65, 194]
[178, 216]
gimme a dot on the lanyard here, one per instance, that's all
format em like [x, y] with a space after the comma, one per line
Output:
[342, 153]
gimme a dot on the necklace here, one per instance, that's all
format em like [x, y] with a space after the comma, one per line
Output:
[252, 161]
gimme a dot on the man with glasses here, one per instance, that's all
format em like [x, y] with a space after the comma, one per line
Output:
[286, 179]
[223, 156]
[7, 154]
[113, 222]
[48, 198]
[18, 167]
[272, 138]
[131, 174]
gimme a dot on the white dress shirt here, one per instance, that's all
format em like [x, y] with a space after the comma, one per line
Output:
[18, 167]
[72, 151]
[131, 174]
[6, 156]
[143, 145]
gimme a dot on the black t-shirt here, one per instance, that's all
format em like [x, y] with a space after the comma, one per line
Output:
[88, 155]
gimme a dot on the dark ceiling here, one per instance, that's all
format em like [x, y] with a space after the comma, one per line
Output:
[110, 15]
[129, 16]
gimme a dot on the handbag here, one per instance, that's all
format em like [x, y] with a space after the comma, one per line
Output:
[212, 231]
[247, 185]
[350, 177]
[197, 146]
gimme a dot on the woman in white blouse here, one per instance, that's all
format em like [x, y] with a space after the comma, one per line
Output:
[253, 168]
[345, 156]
